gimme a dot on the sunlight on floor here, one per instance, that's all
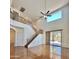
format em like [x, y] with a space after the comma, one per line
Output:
[55, 52]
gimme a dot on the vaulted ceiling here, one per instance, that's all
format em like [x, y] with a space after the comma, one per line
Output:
[33, 7]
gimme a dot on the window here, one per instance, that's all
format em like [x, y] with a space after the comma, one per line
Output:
[55, 38]
[55, 44]
[55, 16]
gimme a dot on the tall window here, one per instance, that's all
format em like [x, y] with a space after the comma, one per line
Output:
[55, 44]
[55, 16]
[55, 38]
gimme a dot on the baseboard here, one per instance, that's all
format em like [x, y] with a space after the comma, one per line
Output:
[66, 47]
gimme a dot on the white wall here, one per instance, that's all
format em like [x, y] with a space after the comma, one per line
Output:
[23, 32]
[19, 37]
[59, 24]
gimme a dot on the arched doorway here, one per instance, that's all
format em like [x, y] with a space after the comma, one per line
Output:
[12, 41]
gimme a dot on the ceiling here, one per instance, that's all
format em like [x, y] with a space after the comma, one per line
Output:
[33, 7]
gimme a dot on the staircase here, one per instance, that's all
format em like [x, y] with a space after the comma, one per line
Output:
[31, 39]
[15, 16]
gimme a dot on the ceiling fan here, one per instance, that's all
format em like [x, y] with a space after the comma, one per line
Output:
[45, 15]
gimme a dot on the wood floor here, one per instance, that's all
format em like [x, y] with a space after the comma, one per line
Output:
[39, 52]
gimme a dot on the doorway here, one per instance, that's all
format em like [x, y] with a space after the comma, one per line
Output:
[54, 39]
[12, 42]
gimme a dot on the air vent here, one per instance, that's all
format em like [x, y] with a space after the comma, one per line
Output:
[22, 9]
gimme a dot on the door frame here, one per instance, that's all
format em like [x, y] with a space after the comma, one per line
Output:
[48, 38]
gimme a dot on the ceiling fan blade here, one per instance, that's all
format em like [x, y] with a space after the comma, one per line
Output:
[41, 17]
[49, 15]
[47, 12]
[42, 13]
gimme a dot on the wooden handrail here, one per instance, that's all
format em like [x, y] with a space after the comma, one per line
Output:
[33, 37]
